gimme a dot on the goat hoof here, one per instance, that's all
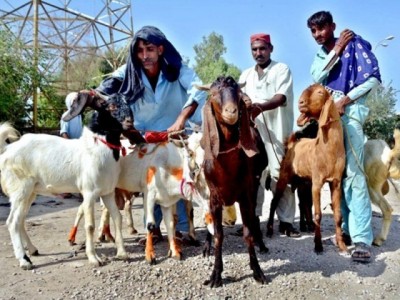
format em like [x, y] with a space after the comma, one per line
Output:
[35, 253]
[378, 242]
[122, 256]
[319, 249]
[133, 231]
[95, 261]
[213, 282]
[263, 249]
[260, 278]
[26, 263]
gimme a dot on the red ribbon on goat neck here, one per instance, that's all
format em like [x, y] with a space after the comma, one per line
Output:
[111, 146]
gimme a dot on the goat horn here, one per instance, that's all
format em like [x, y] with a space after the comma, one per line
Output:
[241, 85]
[203, 87]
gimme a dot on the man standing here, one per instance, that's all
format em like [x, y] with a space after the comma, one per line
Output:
[269, 85]
[349, 70]
[160, 91]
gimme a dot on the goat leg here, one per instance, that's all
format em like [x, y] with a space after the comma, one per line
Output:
[175, 250]
[109, 202]
[247, 216]
[305, 207]
[207, 245]
[150, 254]
[258, 236]
[386, 210]
[336, 194]
[215, 279]
[316, 191]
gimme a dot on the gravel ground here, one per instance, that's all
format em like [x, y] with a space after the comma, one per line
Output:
[294, 270]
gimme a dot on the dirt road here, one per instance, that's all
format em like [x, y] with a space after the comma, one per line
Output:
[295, 271]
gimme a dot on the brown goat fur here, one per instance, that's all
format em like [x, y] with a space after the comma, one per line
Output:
[320, 160]
[231, 170]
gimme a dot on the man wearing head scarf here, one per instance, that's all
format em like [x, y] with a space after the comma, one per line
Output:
[160, 91]
[269, 85]
[71, 129]
[74, 127]
[348, 69]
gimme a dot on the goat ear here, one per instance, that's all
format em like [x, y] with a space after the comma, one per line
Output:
[328, 113]
[247, 139]
[204, 87]
[210, 140]
[81, 101]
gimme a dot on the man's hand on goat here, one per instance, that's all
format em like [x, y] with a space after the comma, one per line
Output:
[255, 109]
[341, 104]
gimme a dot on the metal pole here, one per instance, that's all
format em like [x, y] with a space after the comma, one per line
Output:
[35, 60]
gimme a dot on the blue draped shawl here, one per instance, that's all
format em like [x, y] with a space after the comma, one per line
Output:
[357, 64]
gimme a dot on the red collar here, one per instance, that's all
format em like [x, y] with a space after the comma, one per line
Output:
[111, 146]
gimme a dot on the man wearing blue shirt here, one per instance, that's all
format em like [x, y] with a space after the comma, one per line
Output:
[349, 70]
[160, 91]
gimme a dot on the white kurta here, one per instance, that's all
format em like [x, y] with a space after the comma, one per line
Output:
[274, 125]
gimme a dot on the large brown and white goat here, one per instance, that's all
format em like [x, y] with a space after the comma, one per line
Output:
[320, 160]
[49, 165]
[230, 169]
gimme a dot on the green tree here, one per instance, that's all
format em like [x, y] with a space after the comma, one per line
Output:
[382, 118]
[209, 61]
[16, 72]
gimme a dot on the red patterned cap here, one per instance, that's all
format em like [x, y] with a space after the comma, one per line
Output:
[260, 36]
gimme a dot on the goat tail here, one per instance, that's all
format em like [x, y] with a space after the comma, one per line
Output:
[394, 166]
[8, 134]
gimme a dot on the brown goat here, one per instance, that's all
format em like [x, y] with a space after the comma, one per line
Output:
[320, 160]
[230, 169]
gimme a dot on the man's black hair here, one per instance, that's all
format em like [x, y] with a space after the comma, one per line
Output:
[320, 19]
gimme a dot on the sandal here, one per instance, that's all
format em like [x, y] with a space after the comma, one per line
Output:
[361, 253]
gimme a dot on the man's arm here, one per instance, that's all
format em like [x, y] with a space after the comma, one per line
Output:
[183, 117]
[356, 93]
[276, 101]
[323, 63]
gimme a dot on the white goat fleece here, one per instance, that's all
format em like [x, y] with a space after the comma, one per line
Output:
[49, 165]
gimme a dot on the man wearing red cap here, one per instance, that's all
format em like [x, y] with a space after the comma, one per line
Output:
[269, 84]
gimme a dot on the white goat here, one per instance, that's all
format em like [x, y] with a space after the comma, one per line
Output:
[50, 165]
[165, 172]
[382, 163]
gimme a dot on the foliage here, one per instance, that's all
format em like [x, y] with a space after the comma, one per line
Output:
[113, 60]
[16, 75]
[209, 61]
[382, 118]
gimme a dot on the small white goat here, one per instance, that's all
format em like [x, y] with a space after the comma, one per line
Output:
[165, 173]
[382, 163]
[50, 165]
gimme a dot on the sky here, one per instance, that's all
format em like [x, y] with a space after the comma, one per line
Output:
[186, 22]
